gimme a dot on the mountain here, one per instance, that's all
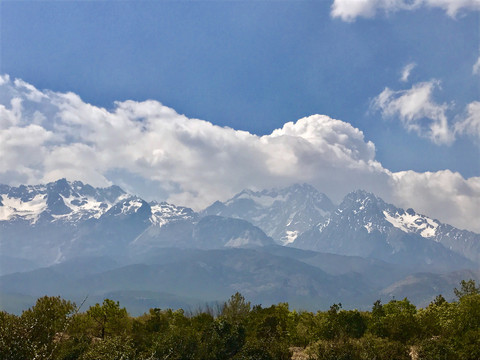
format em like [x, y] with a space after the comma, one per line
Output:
[71, 239]
[422, 288]
[9, 264]
[60, 201]
[364, 225]
[203, 275]
[52, 223]
[282, 214]
[208, 232]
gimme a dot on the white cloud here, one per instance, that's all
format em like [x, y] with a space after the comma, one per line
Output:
[349, 10]
[452, 7]
[406, 71]
[417, 110]
[476, 67]
[444, 194]
[470, 125]
[194, 162]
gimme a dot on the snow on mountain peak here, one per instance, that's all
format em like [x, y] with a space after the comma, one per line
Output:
[282, 213]
[410, 222]
[56, 201]
[14, 208]
[163, 213]
[372, 213]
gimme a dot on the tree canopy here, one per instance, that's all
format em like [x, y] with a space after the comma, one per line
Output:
[54, 328]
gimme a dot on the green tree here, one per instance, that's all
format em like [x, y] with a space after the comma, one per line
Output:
[45, 324]
[400, 322]
[236, 309]
[109, 318]
[376, 324]
[370, 347]
[436, 318]
[466, 288]
[13, 335]
[272, 328]
[223, 340]
[351, 323]
[306, 329]
[111, 348]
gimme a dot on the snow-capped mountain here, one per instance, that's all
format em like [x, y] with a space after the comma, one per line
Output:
[53, 222]
[112, 240]
[60, 201]
[364, 225]
[63, 201]
[60, 220]
[282, 213]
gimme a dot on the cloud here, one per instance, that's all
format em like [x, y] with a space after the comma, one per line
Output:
[153, 150]
[476, 67]
[458, 198]
[406, 71]
[417, 111]
[349, 10]
[470, 125]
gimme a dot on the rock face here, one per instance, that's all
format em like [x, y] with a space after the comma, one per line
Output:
[282, 213]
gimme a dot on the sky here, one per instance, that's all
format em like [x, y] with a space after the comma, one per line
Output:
[193, 101]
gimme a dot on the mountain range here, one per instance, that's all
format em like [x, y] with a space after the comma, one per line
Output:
[292, 244]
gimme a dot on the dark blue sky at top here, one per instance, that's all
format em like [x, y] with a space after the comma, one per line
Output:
[251, 65]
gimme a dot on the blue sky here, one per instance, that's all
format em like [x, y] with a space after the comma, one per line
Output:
[256, 65]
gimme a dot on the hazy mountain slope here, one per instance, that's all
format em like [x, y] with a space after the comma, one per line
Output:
[422, 288]
[9, 265]
[374, 272]
[209, 232]
[207, 275]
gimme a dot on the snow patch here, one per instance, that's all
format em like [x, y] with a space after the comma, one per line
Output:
[30, 210]
[164, 213]
[369, 227]
[131, 206]
[84, 207]
[413, 223]
[290, 236]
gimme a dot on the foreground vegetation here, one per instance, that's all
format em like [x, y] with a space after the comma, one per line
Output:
[55, 329]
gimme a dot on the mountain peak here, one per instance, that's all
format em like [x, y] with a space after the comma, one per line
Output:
[361, 201]
[282, 213]
[60, 200]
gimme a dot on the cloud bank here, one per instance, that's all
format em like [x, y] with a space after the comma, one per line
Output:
[349, 10]
[46, 135]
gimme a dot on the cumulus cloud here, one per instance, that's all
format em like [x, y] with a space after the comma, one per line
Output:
[458, 198]
[406, 71]
[46, 135]
[417, 110]
[349, 10]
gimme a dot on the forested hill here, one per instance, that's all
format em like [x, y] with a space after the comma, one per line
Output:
[55, 328]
